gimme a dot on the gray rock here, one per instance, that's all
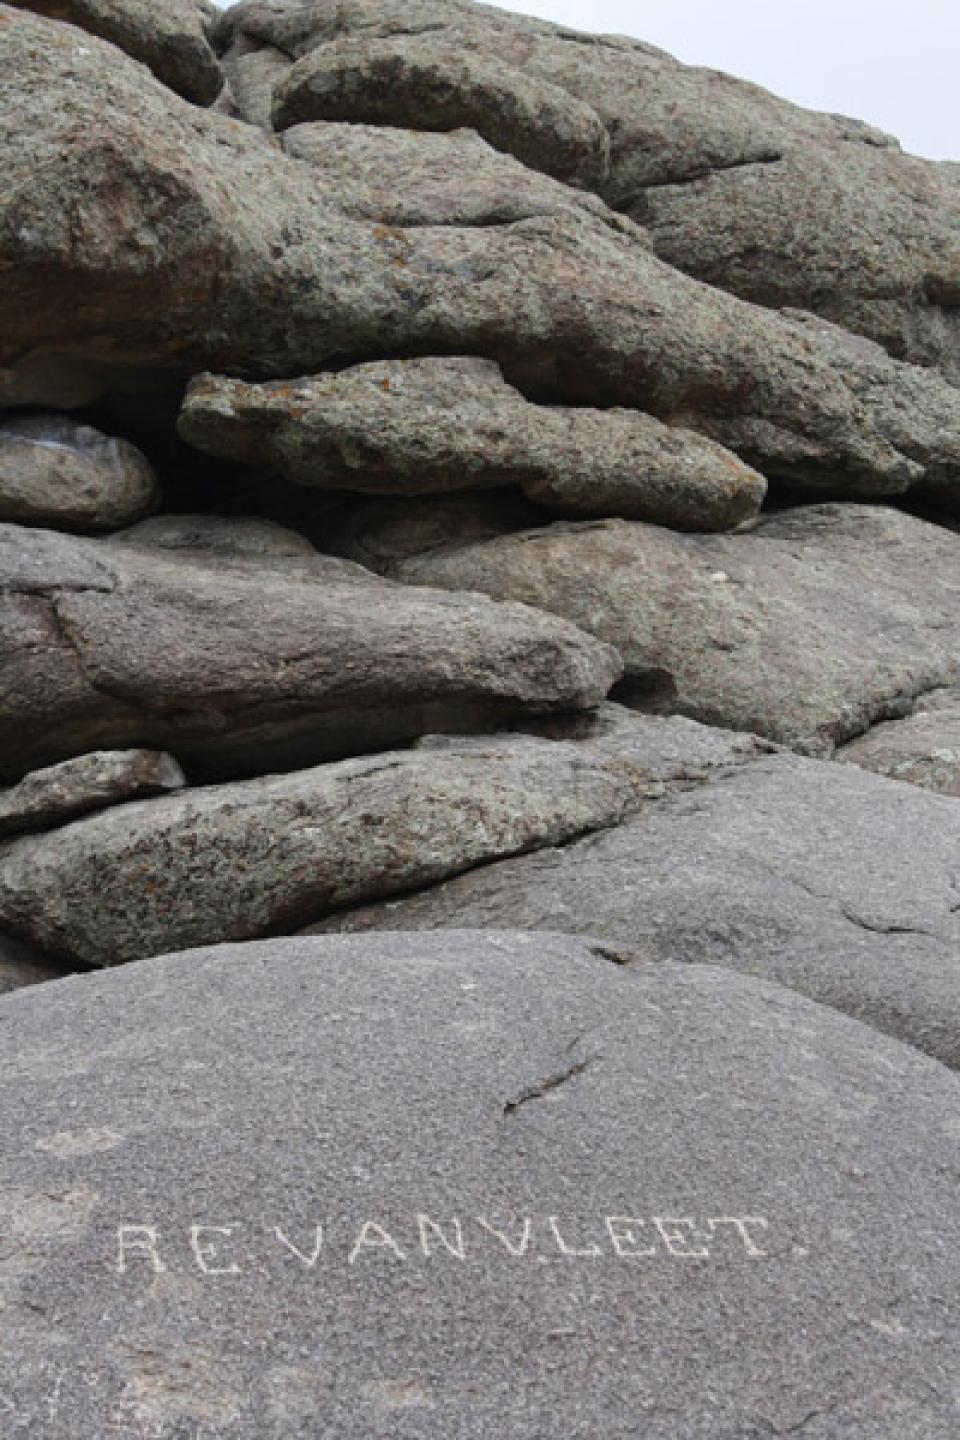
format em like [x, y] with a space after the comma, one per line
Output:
[240, 667]
[197, 245]
[417, 177]
[169, 36]
[252, 71]
[440, 86]
[419, 426]
[807, 628]
[265, 856]
[836, 883]
[923, 748]
[262, 542]
[21, 966]
[781, 205]
[747, 1190]
[56, 472]
[51, 797]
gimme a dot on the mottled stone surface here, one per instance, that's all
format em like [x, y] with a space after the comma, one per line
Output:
[170, 36]
[422, 426]
[836, 883]
[807, 628]
[51, 797]
[749, 1191]
[197, 245]
[241, 668]
[56, 472]
[235, 862]
[923, 748]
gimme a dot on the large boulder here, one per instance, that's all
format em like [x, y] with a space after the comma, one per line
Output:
[239, 667]
[265, 856]
[196, 245]
[414, 427]
[781, 205]
[839, 884]
[807, 628]
[923, 748]
[557, 1167]
[170, 36]
[69, 476]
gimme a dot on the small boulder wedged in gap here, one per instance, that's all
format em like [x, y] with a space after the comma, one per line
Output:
[56, 472]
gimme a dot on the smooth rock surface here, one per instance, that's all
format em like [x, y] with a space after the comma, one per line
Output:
[169, 36]
[421, 426]
[747, 1192]
[241, 668]
[197, 245]
[47, 798]
[836, 883]
[265, 856]
[781, 205]
[71, 477]
[923, 748]
[807, 628]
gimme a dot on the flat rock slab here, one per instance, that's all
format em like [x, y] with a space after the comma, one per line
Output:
[238, 668]
[922, 749]
[53, 796]
[209, 249]
[169, 36]
[807, 628]
[434, 425]
[839, 884]
[464, 1185]
[265, 856]
[56, 472]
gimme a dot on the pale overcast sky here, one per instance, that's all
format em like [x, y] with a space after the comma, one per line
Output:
[892, 62]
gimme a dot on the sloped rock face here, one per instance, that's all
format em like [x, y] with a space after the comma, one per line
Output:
[170, 36]
[923, 748]
[777, 204]
[837, 884]
[556, 1164]
[239, 668]
[806, 629]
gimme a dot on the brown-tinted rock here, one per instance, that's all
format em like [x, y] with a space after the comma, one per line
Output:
[923, 748]
[238, 667]
[170, 36]
[56, 472]
[51, 797]
[420, 426]
[196, 245]
[265, 856]
[806, 628]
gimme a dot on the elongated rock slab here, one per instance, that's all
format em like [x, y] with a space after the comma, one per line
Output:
[69, 476]
[557, 1165]
[264, 856]
[417, 426]
[197, 245]
[237, 668]
[836, 883]
[51, 797]
[807, 628]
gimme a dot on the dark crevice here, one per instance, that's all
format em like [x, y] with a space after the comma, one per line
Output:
[553, 1082]
[625, 203]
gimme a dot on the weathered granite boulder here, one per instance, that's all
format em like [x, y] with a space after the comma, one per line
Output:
[781, 205]
[265, 856]
[47, 798]
[807, 628]
[240, 668]
[923, 748]
[69, 476]
[836, 883]
[170, 36]
[196, 245]
[419, 426]
[557, 1165]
